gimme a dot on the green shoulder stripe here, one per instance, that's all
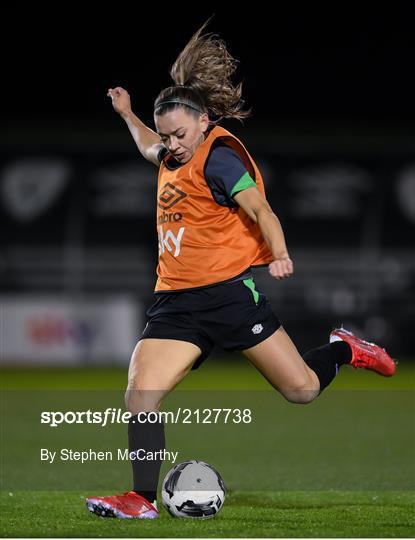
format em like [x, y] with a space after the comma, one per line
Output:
[243, 183]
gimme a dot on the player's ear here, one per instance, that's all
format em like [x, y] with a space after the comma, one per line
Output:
[204, 122]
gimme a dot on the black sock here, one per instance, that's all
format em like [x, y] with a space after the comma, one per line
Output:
[325, 361]
[151, 496]
[146, 437]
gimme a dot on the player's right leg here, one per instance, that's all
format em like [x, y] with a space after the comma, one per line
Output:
[156, 367]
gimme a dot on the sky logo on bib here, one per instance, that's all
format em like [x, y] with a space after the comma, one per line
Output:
[257, 329]
[168, 240]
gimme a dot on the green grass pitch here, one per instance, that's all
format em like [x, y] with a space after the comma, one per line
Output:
[340, 467]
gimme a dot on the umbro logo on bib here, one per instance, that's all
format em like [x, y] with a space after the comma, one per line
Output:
[169, 196]
[257, 329]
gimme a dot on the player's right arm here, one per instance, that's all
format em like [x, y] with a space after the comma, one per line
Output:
[147, 141]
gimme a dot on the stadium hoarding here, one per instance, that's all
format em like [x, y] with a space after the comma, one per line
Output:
[62, 330]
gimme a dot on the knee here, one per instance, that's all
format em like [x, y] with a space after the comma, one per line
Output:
[302, 392]
[139, 398]
[137, 401]
[141, 393]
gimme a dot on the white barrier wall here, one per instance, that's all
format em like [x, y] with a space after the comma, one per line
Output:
[52, 330]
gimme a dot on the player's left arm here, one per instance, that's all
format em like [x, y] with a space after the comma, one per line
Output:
[258, 209]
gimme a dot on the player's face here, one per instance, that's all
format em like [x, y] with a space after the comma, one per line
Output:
[181, 132]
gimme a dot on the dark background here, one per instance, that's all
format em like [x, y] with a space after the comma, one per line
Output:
[346, 63]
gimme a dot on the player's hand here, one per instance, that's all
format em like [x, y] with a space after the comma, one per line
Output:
[120, 100]
[281, 268]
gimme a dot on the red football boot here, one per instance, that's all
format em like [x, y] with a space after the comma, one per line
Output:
[365, 355]
[127, 506]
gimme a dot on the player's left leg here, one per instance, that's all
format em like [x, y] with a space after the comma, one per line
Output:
[239, 318]
[365, 355]
[278, 359]
[302, 379]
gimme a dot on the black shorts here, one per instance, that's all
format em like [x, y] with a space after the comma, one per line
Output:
[232, 315]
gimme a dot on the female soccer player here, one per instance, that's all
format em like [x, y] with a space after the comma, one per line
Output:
[214, 223]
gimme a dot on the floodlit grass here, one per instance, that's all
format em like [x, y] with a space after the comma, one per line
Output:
[255, 514]
[339, 467]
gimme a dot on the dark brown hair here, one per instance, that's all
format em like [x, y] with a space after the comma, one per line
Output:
[202, 74]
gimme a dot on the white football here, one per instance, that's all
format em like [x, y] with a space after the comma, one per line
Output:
[193, 489]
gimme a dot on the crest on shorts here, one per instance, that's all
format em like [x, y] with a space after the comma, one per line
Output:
[257, 329]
